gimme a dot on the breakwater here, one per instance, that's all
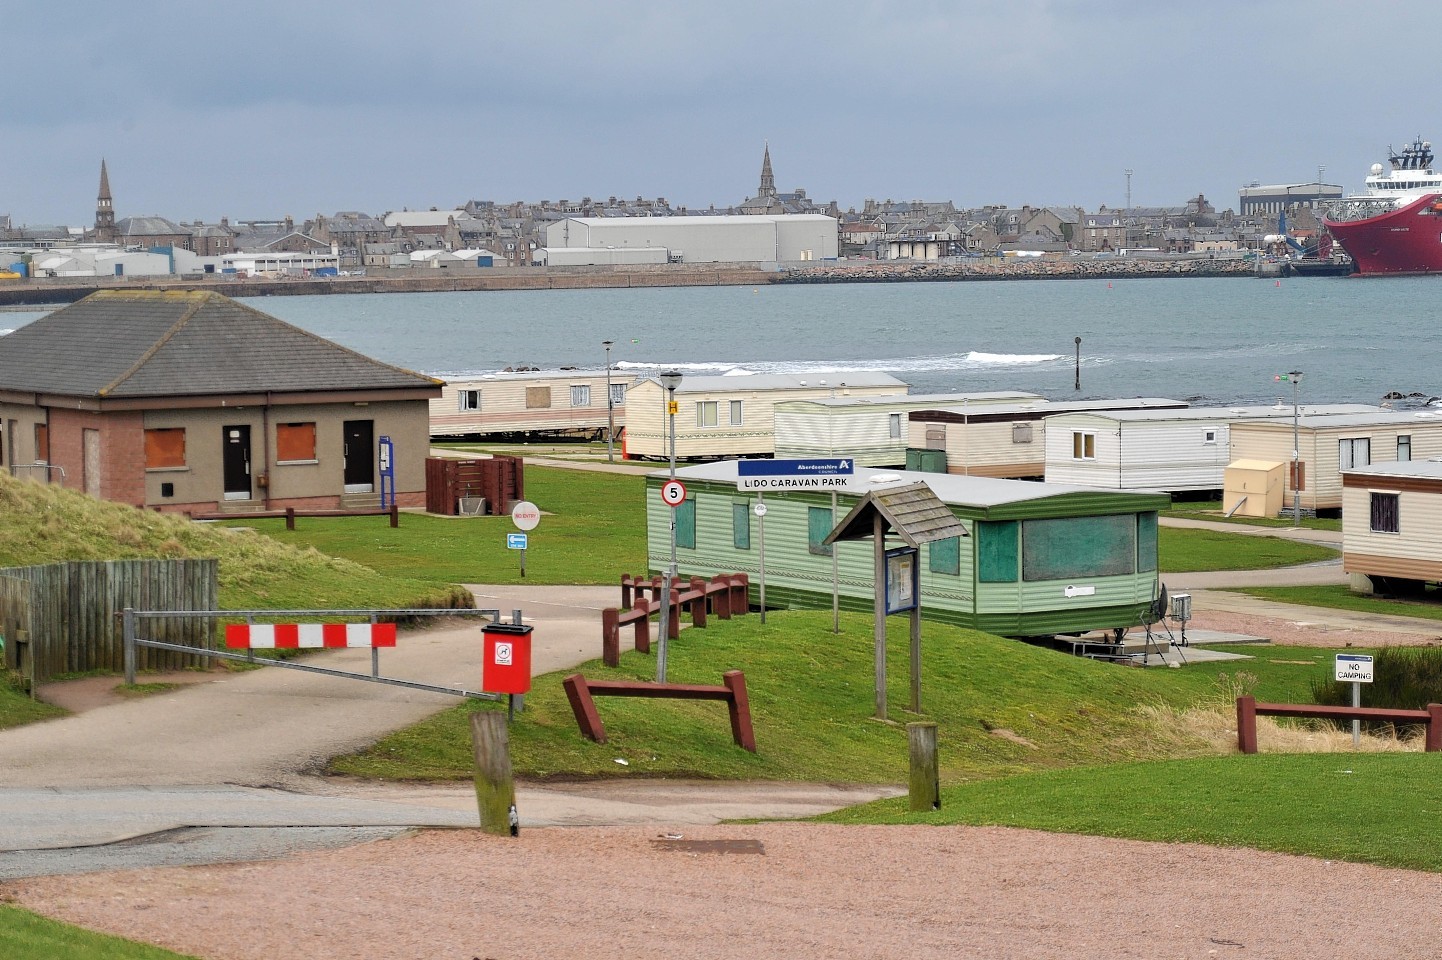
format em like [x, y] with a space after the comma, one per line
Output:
[1030, 268]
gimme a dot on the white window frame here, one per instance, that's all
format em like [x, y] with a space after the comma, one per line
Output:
[618, 394]
[580, 394]
[1209, 436]
[705, 410]
[1404, 447]
[468, 400]
[1347, 450]
[1083, 445]
[735, 413]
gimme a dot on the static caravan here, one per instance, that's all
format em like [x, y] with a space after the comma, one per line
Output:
[1038, 559]
[1174, 450]
[870, 430]
[1330, 444]
[734, 416]
[1392, 525]
[1005, 440]
[544, 403]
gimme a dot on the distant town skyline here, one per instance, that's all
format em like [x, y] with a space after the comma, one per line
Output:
[202, 112]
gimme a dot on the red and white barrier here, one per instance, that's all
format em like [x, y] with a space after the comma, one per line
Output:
[306, 636]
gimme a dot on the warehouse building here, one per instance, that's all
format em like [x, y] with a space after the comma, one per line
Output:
[585, 241]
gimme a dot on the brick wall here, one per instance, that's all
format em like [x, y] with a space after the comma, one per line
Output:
[122, 451]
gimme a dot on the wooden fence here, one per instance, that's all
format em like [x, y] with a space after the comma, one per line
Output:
[71, 612]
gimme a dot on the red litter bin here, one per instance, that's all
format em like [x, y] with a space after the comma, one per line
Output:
[507, 666]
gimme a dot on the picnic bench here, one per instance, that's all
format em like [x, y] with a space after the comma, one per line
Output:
[581, 693]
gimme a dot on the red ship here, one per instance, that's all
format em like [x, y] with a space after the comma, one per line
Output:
[1396, 228]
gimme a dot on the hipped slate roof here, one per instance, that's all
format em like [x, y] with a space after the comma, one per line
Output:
[130, 344]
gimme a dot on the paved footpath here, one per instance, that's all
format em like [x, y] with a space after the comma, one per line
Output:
[227, 768]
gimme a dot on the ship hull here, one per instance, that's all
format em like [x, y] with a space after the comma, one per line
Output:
[1406, 240]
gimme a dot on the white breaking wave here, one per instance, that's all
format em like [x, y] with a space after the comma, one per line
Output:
[1010, 359]
[974, 360]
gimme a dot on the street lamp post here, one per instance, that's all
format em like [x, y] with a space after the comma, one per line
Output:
[1296, 377]
[671, 379]
[610, 406]
[1078, 364]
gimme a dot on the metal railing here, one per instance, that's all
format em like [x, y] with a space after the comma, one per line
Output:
[132, 618]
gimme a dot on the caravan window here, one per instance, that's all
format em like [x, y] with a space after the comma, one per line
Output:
[1083, 446]
[1354, 453]
[468, 400]
[1386, 516]
[895, 423]
[1404, 447]
[706, 413]
[580, 395]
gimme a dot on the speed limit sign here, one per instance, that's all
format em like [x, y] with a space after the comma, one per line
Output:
[673, 493]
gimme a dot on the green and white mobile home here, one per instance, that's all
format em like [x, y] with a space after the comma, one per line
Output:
[1038, 558]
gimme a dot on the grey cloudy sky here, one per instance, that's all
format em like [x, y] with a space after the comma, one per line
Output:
[263, 109]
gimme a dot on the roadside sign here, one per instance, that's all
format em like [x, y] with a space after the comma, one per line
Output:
[525, 515]
[759, 509]
[673, 493]
[515, 541]
[810, 473]
[1354, 667]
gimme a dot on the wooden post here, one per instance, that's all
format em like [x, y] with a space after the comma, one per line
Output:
[1433, 742]
[925, 784]
[1247, 724]
[495, 790]
[625, 591]
[395, 513]
[290, 518]
[740, 706]
[611, 637]
[878, 610]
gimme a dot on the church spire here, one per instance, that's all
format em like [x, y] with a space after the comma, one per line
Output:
[768, 182]
[104, 209]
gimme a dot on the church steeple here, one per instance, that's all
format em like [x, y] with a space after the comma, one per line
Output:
[104, 209]
[768, 182]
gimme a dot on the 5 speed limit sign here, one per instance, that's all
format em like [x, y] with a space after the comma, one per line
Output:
[673, 493]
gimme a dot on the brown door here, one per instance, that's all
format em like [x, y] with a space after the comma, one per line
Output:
[90, 465]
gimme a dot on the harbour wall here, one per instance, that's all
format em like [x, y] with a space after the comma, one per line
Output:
[70, 289]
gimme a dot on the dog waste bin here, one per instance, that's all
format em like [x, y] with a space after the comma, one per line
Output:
[507, 666]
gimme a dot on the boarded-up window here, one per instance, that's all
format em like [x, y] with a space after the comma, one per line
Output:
[686, 524]
[1146, 542]
[936, 437]
[894, 424]
[42, 442]
[294, 441]
[1071, 548]
[818, 525]
[538, 397]
[165, 448]
[944, 556]
[741, 526]
[1386, 516]
[997, 551]
[1298, 472]
[1021, 433]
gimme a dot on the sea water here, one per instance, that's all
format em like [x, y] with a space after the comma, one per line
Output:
[1202, 340]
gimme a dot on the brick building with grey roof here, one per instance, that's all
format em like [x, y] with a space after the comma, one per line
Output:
[190, 401]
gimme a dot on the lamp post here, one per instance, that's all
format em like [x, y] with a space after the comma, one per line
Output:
[1078, 364]
[1296, 377]
[671, 379]
[610, 406]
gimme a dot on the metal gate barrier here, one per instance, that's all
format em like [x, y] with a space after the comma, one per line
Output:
[132, 619]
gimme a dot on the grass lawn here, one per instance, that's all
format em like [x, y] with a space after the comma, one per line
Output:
[1339, 597]
[1184, 550]
[29, 936]
[16, 707]
[592, 530]
[1311, 804]
[812, 701]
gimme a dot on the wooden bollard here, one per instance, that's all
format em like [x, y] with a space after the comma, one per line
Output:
[395, 514]
[673, 620]
[495, 789]
[643, 626]
[611, 637]
[925, 784]
[625, 591]
[721, 599]
[1247, 724]
[290, 518]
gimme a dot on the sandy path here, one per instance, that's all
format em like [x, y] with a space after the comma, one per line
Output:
[814, 891]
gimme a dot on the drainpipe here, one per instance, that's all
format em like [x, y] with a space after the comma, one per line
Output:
[265, 450]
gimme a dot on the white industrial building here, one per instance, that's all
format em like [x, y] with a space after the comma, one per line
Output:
[720, 239]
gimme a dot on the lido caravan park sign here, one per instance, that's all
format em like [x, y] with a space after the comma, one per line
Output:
[805, 474]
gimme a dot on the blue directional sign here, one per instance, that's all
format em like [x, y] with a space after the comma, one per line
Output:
[811, 473]
[515, 541]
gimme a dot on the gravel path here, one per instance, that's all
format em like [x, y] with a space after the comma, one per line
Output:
[788, 890]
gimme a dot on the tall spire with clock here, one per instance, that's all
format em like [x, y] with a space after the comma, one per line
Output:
[104, 209]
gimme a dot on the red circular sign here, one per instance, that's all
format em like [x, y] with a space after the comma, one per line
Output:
[673, 493]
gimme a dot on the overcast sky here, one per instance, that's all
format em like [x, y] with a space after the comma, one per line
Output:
[263, 109]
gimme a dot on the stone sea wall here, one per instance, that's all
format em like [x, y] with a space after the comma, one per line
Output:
[1030, 268]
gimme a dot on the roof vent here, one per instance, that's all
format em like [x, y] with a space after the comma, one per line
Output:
[883, 478]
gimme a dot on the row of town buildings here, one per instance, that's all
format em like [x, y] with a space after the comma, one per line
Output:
[486, 233]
